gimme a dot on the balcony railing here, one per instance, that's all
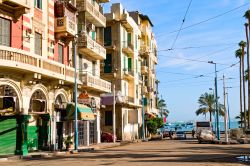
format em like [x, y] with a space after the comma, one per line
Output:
[29, 63]
[64, 27]
[88, 46]
[92, 9]
[128, 73]
[144, 50]
[128, 47]
[94, 82]
[16, 8]
[144, 69]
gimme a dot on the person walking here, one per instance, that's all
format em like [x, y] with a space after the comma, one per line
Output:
[193, 132]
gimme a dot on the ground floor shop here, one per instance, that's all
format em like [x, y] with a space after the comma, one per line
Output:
[35, 117]
[128, 122]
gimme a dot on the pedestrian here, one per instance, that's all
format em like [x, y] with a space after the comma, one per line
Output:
[171, 134]
[193, 132]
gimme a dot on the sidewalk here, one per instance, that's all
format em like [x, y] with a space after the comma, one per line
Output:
[47, 154]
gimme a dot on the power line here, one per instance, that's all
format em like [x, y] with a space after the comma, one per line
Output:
[211, 18]
[184, 18]
[193, 47]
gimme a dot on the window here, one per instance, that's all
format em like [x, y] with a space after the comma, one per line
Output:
[129, 39]
[60, 53]
[107, 36]
[94, 68]
[108, 64]
[108, 118]
[4, 32]
[129, 64]
[38, 4]
[136, 42]
[38, 44]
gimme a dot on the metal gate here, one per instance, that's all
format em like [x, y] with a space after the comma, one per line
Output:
[91, 132]
[81, 133]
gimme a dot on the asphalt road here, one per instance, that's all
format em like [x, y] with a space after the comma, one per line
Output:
[165, 152]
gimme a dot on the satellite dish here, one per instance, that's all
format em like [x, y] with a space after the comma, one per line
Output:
[85, 65]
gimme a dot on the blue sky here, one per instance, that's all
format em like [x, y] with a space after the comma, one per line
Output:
[180, 84]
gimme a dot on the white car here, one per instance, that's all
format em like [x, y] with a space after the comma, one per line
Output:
[205, 136]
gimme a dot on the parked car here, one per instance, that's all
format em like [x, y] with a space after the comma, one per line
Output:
[205, 136]
[107, 137]
[181, 135]
[165, 133]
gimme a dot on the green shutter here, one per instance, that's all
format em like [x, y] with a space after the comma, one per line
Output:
[129, 38]
[107, 36]
[93, 35]
[7, 135]
[35, 3]
[129, 64]
[108, 64]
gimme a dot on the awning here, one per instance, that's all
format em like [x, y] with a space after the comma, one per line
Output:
[84, 112]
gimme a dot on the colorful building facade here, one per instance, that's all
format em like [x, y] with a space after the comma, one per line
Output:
[37, 73]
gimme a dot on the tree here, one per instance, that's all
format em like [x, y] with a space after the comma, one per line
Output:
[247, 30]
[240, 117]
[207, 105]
[154, 124]
[162, 106]
[239, 54]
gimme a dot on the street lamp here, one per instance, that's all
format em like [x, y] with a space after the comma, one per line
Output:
[75, 97]
[214, 127]
[114, 102]
[216, 101]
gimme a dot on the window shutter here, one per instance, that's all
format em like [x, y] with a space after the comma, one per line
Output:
[129, 64]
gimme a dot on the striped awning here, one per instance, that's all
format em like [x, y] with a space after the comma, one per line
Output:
[84, 112]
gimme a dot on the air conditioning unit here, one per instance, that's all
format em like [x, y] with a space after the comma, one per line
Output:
[91, 27]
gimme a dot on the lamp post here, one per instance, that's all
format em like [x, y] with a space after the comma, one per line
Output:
[114, 102]
[214, 127]
[75, 97]
[216, 101]
[225, 116]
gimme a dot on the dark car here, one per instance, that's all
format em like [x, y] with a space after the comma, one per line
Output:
[166, 133]
[107, 137]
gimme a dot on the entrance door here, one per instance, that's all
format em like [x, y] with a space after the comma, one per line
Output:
[81, 133]
[59, 135]
[91, 132]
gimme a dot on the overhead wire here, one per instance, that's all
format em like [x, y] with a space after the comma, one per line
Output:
[184, 19]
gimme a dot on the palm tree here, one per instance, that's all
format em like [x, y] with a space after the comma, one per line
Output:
[207, 105]
[247, 15]
[162, 106]
[242, 44]
[238, 54]
[240, 117]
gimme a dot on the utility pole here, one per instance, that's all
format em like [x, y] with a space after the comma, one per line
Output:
[75, 97]
[225, 111]
[114, 102]
[142, 112]
[216, 101]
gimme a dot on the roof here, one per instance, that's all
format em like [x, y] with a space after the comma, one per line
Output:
[145, 17]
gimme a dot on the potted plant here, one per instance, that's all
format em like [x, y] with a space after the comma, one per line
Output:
[68, 142]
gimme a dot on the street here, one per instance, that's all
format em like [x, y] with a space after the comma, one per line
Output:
[165, 152]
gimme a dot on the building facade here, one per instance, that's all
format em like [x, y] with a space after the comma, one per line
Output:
[122, 40]
[37, 73]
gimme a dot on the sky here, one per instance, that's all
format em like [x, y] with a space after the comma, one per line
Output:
[183, 72]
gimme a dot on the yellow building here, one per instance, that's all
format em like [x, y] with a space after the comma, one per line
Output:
[148, 55]
[123, 66]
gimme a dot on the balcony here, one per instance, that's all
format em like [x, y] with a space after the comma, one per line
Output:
[65, 21]
[25, 62]
[126, 21]
[144, 50]
[65, 28]
[90, 47]
[95, 83]
[128, 48]
[15, 8]
[144, 69]
[92, 12]
[128, 74]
